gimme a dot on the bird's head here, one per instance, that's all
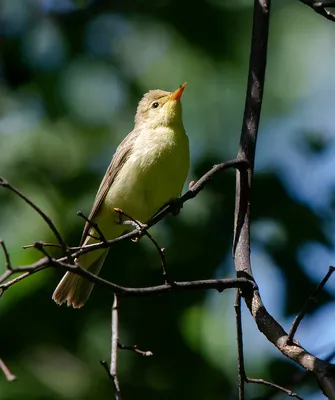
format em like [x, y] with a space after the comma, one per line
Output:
[160, 109]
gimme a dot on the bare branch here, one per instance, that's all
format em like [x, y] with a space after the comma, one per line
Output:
[43, 263]
[45, 244]
[161, 252]
[143, 230]
[248, 140]
[273, 385]
[242, 376]
[320, 7]
[7, 259]
[112, 370]
[25, 270]
[239, 340]
[145, 353]
[114, 347]
[302, 312]
[45, 217]
[241, 248]
[93, 225]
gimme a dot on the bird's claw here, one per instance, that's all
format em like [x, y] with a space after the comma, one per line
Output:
[139, 226]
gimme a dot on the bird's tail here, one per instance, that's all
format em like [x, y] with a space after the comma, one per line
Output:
[75, 290]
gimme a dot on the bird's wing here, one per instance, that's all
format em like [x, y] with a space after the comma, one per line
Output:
[120, 157]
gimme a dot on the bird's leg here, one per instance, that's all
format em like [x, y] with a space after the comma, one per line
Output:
[139, 226]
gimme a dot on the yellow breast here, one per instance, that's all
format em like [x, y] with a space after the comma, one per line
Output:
[154, 173]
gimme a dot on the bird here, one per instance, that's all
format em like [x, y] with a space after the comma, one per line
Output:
[148, 169]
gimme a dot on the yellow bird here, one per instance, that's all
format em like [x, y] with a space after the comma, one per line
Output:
[148, 169]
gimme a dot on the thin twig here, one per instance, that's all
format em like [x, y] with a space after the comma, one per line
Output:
[197, 187]
[45, 217]
[7, 258]
[161, 252]
[273, 385]
[46, 244]
[104, 363]
[94, 225]
[40, 247]
[12, 282]
[145, 353]
[303, 311]
[9, 376]
[239, 340]
[114, 347]
[143, 230]
[25, 271]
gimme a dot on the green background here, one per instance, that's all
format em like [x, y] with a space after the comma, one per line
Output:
[71, 75]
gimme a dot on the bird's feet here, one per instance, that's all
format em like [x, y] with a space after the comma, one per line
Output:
[125, 219]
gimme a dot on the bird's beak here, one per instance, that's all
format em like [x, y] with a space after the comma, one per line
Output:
[176, 95]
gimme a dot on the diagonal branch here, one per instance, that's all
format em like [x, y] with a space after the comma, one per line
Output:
[320, 7]
[93, 225]
[45, 217]
[274, 386]
[303, 311]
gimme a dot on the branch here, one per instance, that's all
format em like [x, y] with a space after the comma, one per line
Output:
[193, 191]
[43, 263]
[7, 259]
[239, 339]
[25, 271]
[45, 217]
[77, 251]
[93, 225]
[320, 7]
[241, 246]
[242, 376]
[114, 347]
[302, 313]
[142, 230]
[196, 188]
[274, 386]
[134, 348]
[112, 370]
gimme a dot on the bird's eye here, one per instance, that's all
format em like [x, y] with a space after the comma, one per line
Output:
[155, 105]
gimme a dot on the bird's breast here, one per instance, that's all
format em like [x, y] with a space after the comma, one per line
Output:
[154, 173]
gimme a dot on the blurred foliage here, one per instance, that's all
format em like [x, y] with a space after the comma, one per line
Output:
[71, 74]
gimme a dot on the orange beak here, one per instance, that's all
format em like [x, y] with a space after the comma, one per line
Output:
[176, 95]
